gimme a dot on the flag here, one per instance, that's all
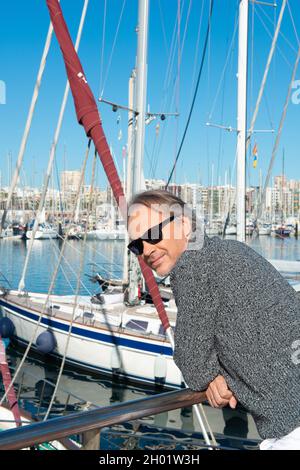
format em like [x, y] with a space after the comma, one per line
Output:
[255, 155]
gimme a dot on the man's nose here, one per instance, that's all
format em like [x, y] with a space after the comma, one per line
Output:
[147, 248]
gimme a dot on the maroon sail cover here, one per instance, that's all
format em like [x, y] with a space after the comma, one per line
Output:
[88, 116]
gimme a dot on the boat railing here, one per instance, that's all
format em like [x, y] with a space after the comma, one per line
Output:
[88, 424]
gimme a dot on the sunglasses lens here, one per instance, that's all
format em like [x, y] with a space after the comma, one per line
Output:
[136, 247]
[153, 236]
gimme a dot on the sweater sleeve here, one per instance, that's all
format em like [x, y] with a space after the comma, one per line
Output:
[194, 353]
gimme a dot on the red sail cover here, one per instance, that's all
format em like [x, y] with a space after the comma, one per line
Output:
[88, 115]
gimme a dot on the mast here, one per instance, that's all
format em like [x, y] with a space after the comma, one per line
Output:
[242, 120]
[137, 93]
[130, 146]
[141, 94]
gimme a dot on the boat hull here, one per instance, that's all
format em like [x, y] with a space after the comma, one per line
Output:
[41, 235]
[95, 349]
[282, 232]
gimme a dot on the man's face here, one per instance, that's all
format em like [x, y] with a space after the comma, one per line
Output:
[162, 256]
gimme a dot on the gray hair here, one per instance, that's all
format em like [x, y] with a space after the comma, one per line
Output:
[167, 202]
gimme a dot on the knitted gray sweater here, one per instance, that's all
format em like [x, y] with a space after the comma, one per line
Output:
[238, 317]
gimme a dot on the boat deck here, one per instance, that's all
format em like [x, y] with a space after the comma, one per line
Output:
[86, 313]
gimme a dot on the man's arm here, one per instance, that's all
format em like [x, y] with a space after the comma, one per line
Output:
[194, 352]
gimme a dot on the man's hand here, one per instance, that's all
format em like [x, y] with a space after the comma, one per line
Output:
[219, 395]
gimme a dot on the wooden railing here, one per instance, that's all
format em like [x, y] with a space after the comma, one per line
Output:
[90, 423]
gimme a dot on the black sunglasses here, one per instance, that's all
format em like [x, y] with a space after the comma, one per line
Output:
[153, 235]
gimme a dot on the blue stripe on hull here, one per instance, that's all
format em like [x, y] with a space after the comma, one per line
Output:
[129, 343]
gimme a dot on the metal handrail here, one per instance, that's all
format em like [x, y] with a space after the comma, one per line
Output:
[78, 423]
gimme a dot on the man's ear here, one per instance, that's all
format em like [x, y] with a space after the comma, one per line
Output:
[187, 226]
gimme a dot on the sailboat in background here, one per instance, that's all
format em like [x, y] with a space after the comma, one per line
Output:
[45, 230]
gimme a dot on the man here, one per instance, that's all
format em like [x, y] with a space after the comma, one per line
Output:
[238, 320]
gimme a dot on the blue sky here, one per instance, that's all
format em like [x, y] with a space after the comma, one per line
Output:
[23, 29]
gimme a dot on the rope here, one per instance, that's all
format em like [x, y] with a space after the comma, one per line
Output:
[195, 95]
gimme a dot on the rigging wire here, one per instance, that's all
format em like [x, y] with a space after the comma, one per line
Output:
[277, 141]
[265, 75]
[270, 35]
[178, 76]
[75, 305]
[69, 266]
[169, 69]
[99, 253]
[261, 91]
[163, 26]
[171, 102]
[177, 81]
[168, 105]
[103, 44]
[113, 48]
[168, 99]
[262, 10]
[230, 56]
[197, 49]
[28, 124]
[195, 94]
[52, 152]
[293, 22]
[230, 49]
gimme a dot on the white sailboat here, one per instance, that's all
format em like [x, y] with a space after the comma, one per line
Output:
[44, 232]
[106, 338]
[264, 229]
